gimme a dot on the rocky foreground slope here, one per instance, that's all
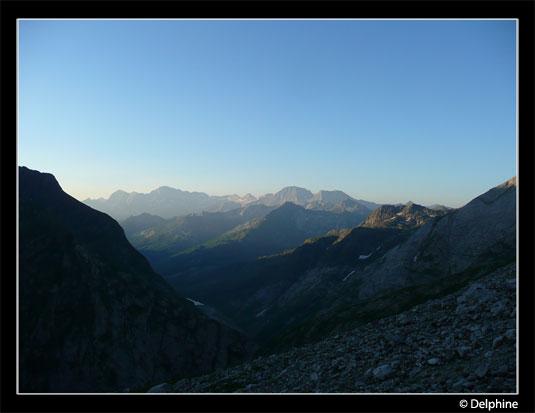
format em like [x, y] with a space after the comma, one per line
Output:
[462, 342]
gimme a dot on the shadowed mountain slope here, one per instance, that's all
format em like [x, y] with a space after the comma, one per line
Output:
[171, 236]
[94, 317]
[288, 226]
[351, 276]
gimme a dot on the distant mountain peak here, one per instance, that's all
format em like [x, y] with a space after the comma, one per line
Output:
[119, 192]
[166, 188]
[334, 196]
[165, 201]
[295, 194]
[290, 206]
[411, 206]
[117, 195]
[294, 188]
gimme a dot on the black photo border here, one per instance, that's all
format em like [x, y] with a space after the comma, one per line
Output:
[524, 11]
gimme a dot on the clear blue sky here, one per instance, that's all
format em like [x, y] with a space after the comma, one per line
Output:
[387, 111]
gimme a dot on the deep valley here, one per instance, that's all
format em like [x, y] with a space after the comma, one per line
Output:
[288, 292]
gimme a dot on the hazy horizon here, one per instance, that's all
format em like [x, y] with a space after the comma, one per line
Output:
[258, 194]
[386, 111]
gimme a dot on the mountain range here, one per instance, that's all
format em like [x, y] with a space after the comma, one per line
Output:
[168, 202]
[164, 201]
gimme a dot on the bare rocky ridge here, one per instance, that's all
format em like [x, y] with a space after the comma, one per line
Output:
[409, 215]
[462, 342]
[480, 234]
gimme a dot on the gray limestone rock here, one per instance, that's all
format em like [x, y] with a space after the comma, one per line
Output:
[382, 372]
[160, 388]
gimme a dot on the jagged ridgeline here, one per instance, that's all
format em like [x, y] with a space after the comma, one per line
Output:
[94, 316]
[167, 202]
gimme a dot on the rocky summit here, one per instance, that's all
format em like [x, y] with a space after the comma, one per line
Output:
[462, 342]
[410, 215]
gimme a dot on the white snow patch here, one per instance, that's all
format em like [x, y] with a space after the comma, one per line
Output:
[347, 276]
[363, 257]
[195, 302]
